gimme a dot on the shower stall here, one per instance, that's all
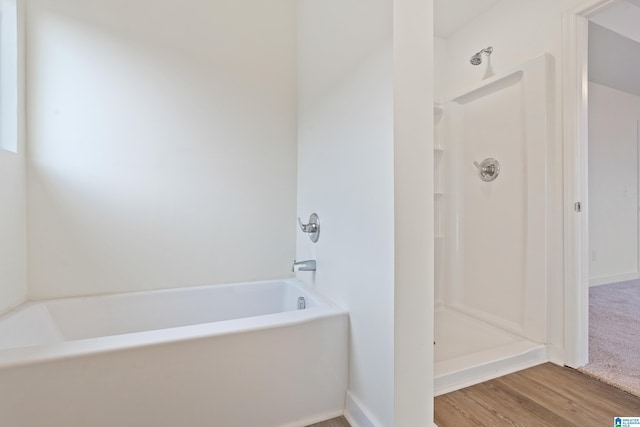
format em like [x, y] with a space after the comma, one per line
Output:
[492, 147]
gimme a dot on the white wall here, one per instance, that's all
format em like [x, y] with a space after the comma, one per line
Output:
[13, 285]
[413, 72]
[613, 184]
[345, 174]
[162, 143]
[519, 30]
[13, 279]
[8, 75]
[440, 69]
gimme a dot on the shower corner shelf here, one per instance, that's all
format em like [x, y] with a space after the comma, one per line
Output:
[438, 193]
[438, 148]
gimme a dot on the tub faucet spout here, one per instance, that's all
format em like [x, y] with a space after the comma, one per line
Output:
[308, 265]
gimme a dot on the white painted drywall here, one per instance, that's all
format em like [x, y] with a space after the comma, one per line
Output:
[452, 15]
[8, 75]
[345, 174]
[613, 184]
[13, 279]
[518, 31]
[440, 69]
[162, 143]
[13, 285]
[413, 53]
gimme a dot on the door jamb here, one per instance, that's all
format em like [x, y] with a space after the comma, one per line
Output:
[575, 150]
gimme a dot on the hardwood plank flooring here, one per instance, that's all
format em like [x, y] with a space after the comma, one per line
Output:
[335, 422]
[546, 395]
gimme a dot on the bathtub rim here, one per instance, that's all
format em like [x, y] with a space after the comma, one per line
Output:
[291, 280]
[51, 352]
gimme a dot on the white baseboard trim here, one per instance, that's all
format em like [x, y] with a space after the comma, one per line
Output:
[598, 281]
[555, 354]
[357, 414]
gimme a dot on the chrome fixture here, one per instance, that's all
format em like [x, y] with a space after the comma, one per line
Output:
[308, 265]
[313, 227]
[489, 169]
[477, 58]
[302, 304]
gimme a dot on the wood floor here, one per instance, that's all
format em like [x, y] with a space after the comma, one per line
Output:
[546, 395]
[336, 422]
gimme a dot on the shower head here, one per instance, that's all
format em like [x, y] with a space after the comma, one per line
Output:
[477, 58]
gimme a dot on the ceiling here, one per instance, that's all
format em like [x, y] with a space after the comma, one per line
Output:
[451, 15]
[614, 60]
[614, 46]
[623, 18]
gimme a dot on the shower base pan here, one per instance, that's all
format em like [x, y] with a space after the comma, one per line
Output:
[469, 351]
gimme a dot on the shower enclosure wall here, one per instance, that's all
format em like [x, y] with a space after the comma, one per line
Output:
[491, 232]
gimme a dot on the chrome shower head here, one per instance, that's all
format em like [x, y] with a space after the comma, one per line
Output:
[477, 58]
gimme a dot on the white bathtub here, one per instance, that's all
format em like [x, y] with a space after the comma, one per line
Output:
[216, 356]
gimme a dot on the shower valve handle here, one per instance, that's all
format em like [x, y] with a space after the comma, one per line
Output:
[489, 169]
[308, 228]
[312, 228]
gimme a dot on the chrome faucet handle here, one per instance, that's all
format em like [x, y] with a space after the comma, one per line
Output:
[308, 228]
[489, 169]
[312, 228]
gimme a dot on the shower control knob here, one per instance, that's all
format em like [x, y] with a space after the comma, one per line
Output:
[489, 169]
[312, 228]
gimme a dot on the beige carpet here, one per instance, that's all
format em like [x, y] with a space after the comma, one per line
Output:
[614, 335]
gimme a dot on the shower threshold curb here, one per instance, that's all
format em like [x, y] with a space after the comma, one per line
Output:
[465, 371]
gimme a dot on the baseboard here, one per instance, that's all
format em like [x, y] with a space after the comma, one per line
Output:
[555, 354]
[357, 414]
[598, 281]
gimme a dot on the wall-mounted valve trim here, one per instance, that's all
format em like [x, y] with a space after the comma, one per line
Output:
[313, 227]
[489, 169]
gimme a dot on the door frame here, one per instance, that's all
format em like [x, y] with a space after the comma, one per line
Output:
[575, 151]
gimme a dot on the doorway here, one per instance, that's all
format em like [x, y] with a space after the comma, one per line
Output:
[598, 101]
